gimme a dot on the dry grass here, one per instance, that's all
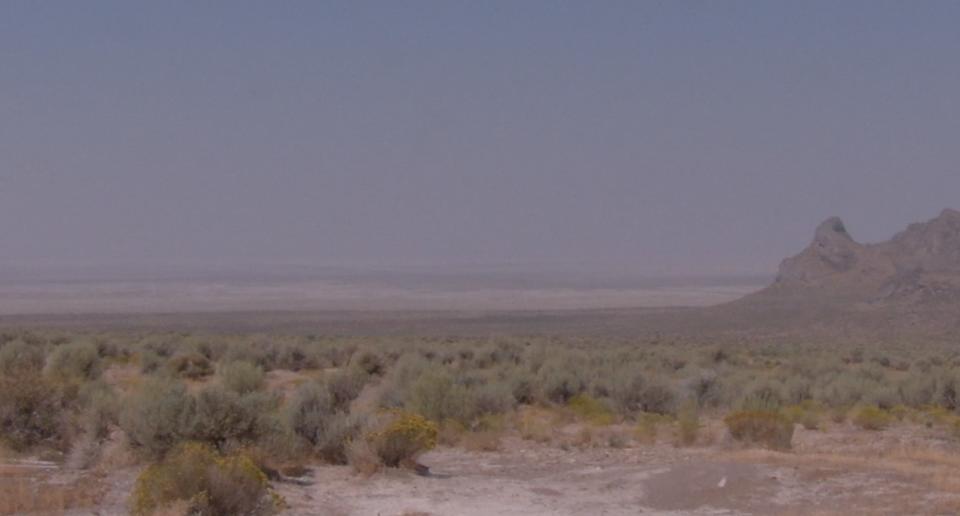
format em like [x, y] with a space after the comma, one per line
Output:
[124, 377]
[285, 382]
[178, 508]
[481, 441]
[28, 489]
[363, 458]
[536, 424]
[934, 467]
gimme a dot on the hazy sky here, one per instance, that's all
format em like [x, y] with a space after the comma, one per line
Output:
[670, 137]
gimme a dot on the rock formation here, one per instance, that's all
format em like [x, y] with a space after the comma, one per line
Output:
[919, 264]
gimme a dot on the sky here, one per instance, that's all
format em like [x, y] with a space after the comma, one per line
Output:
[664, 137]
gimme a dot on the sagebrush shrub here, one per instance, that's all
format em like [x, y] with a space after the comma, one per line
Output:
[560, 381]
[917, 390]
[35, 410]
[295, 357]
[590, 409]
[688, 423]
[403, 438]
[207, 483]
[437, 397]
[17, 357]
[218, 416]
[627, 391]
[155, 416]
[765, 427]
[150, 362]
[707, 389]
[76, 360]
[493, 397]
[657, 398]
[345, 386]
[241, 377]
[312, 415]
[648, 425]
[948, 392]
[370, 363]
[872, 418]
[100, 408]
[522, 386]
[805, 414]
[191, 365]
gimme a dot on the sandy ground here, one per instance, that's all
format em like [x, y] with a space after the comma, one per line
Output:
[212, 296]
[527, 479]
[907, 469]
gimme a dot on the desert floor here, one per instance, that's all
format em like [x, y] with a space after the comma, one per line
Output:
[906, 469]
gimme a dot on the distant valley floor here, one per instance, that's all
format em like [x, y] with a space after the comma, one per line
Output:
[139, 297]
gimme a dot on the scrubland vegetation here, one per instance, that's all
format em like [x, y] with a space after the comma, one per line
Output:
[215, 418]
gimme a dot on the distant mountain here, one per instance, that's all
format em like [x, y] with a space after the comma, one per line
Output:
[900, 290]
[918, 265]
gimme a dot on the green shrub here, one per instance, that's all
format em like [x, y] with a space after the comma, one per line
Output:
[296, 358]
[688, 423]
[35, 410]
[843, 391]
[494, 397]
[155, 416]
[805, 414]
[521, 384]
[872, 418]
[241, 377]
[657, 398]
[590, 409]
[345, 386]
[100, 409]
[77, 360]
[435, 396]
[206, 483]
[312, 415]
[948, 392]
[190, 365]
[370, 363]
[918, 390]
[263, 354]
[707, 389]
[627, 391]
[764, 427]
[955, 428]
[648, 427]
[219, 417]
[17, 357]
[797, 389]
[762, 398]
[403, 438]
[559, 381]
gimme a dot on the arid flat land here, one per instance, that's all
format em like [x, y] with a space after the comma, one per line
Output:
[357, 292]
[765, 405]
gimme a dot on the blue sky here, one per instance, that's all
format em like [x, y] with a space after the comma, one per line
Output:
[665, 137]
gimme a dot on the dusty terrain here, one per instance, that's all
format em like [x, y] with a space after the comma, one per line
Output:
[906, 469]
[840, 471]
[354, 293]
[854, 304]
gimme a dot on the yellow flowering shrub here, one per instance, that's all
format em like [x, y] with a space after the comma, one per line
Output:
[405, 436]
[207, 482]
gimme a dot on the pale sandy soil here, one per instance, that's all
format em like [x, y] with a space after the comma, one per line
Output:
[210, 296]
[907, 469]
[530, 479]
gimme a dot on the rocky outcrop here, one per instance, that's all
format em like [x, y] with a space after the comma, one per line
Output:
[928, 247]
[920, 264]
[833, 251]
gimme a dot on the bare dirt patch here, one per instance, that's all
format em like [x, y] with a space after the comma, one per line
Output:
[525, 478]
